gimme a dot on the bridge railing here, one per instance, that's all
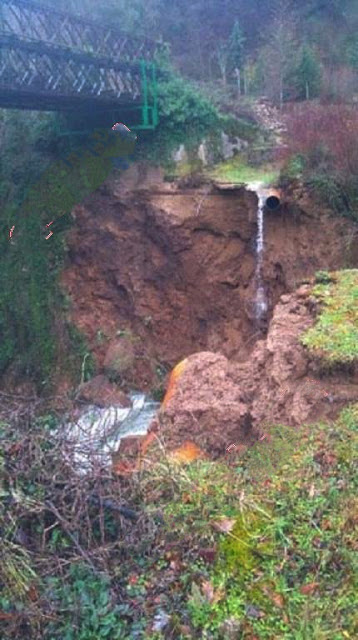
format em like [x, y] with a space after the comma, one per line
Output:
[34, 21]
[55, 61]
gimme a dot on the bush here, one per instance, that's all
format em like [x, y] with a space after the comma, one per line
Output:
[30, 301]
[322, 148]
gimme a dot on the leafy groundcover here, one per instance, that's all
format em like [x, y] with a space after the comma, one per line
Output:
[262, 546]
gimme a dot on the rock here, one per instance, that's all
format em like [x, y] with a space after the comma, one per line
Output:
[180, 156]
[205, 404]
[230, 628]
[203, 153]
[120, 357]
[229, 145]
[304, 291]
[132, 449]
[101, 392]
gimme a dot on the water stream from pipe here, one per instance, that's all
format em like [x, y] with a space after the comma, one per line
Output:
[260, 295]
[96, 435]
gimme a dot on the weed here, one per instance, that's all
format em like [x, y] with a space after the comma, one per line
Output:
[334, 337]
[237, 171]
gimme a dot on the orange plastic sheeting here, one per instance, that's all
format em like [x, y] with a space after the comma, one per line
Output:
[188, 452]
[174, 376]
[125, 467]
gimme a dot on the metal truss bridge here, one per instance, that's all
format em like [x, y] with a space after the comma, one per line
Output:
[51, 60]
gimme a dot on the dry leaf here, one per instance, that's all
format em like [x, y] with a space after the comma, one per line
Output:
[207, 590]
[309, 588]
[7, 616]
[146, 442]
[278, 600]
[225, 525]
[176, 565]
[208, 554]
[212, 596]
[185, 630]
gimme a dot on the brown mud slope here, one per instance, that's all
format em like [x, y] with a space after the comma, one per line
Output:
[173, 268]
[214, 403]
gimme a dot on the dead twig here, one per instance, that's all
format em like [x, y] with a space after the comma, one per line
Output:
[66, 528]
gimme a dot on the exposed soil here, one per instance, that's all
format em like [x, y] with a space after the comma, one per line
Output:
[216, 404]
[172, 266]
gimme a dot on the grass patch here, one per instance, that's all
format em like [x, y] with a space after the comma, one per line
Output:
[235, 170]
[334, 338]
[287, 568]
[263, 546]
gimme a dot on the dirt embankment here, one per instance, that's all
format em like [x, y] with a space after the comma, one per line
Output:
[214, 404]
[157, 271]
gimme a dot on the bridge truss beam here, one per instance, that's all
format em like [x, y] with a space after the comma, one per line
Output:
[52, 61]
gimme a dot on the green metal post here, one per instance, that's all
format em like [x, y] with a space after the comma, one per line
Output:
[155, 97]
[145, 94]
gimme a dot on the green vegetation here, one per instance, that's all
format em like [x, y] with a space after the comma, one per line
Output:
[262, 544]
[321, 154]
[35, 190]
[237, 171]
[309, 545]
[187, 117]
[308, 74]
[97, 616]
[334, 338]
[283, 50]
[272, 554]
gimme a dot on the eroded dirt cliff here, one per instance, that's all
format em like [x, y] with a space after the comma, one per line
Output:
[157, 271]
[214, 403]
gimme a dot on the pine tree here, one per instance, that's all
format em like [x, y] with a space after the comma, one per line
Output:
[236, 52]
[352, 53]
[308, 74]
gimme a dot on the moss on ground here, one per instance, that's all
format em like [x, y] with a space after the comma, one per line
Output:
[286, 566]
[334, 337]
[236, 170]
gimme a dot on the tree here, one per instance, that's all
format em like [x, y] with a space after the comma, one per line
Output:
[229, 54]
[352, 53]
[308, 74]
[236, 52]
[277, 55]
[222, 56]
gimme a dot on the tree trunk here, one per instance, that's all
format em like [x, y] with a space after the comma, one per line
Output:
[222, 61]
[238, 78]
[223, 74]
[307, 91]
[281, 93]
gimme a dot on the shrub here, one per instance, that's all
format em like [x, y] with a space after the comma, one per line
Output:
[327, 138]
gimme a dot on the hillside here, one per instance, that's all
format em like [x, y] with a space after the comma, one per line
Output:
[179, 324]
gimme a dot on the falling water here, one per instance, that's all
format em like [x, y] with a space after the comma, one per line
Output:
[97, 433]
[260, 297]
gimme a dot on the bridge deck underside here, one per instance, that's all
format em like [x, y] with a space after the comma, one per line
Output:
[35, 101]
[43, 80]
[50, 60]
